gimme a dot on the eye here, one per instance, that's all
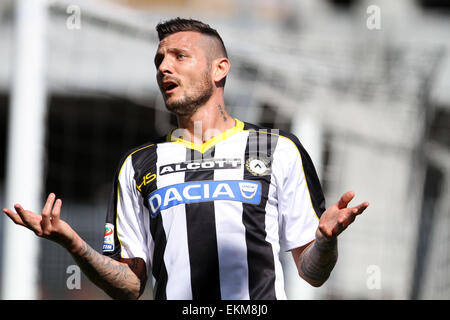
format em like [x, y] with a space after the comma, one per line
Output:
[180, 56]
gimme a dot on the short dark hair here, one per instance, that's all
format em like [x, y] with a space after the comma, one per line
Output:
[175, 25]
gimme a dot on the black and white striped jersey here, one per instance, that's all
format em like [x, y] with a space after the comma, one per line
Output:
[210, 220]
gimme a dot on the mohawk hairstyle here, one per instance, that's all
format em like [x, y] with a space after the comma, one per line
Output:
[172, 26]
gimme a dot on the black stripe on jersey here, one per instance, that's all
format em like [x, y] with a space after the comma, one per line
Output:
[312, 180]
[159, 270]
[261, 265]
[144, 164]
[202, 239]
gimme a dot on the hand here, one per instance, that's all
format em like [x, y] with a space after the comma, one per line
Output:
[47, 225]
[338, 217]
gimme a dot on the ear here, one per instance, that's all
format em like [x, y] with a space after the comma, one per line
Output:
[221, 67]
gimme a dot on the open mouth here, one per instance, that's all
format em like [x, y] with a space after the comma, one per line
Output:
[169, 86]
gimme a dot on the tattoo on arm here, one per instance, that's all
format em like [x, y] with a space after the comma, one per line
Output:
[115, 278]
[317, 261]
[222, 112]
[137, 265]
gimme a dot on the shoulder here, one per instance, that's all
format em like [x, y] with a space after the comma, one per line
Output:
[286, 140]
[257, 128]
[140, 152]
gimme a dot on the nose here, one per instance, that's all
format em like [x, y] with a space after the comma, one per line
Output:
[165, 67]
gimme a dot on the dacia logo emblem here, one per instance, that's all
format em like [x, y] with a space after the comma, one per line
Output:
[248, 190]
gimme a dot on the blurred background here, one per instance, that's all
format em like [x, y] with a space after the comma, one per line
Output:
[365, 84]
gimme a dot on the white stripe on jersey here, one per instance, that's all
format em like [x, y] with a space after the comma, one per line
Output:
[132, 231]
[176, 255]
[293, 193]
[232, 262]
[272, 236]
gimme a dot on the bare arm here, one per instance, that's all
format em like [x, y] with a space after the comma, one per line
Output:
[120, 280]
[123, 279]
[316, 260]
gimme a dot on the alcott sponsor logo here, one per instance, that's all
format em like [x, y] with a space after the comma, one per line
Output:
[199, 191]
[200, 165]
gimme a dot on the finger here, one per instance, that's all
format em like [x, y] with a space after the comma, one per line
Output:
[345, 199]
[48, 205]
[56, 211]
[360, 208]
[25, 216]
[349, 215]
[14, 217]
[45, 223]
[21, 212]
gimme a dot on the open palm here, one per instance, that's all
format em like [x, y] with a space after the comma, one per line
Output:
[338, 217]
[46, 225]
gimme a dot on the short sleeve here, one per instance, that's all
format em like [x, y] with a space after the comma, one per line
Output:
[300, 197]
[125, 233]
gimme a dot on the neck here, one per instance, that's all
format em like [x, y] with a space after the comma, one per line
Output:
[207, 122]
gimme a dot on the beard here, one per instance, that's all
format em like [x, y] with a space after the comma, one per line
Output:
[188, 104]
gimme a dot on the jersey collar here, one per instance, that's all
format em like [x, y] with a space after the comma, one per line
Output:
[239, 126]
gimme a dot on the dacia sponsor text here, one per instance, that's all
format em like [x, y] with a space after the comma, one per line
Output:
[245, 191]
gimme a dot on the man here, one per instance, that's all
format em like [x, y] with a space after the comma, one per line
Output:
[208, 207]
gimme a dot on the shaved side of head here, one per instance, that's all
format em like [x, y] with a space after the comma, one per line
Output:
[212, 47]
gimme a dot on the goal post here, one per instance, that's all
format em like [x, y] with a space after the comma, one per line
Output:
[25, 153]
